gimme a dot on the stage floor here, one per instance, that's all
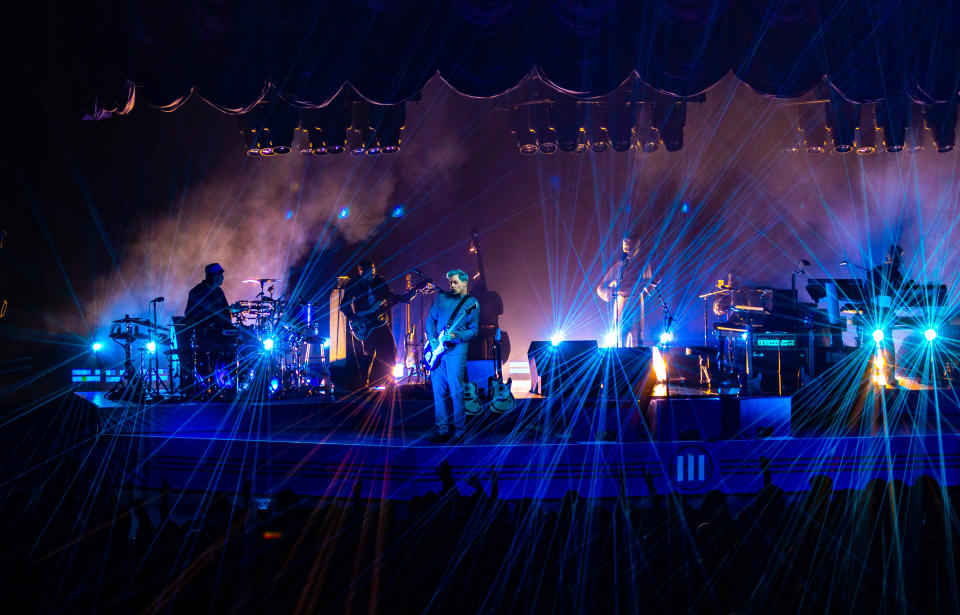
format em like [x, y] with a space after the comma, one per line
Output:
[541, 450]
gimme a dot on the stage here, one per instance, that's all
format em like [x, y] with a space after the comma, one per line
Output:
[544, 448]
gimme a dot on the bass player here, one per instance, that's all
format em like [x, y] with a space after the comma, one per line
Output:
[367, 299]
[450, 375]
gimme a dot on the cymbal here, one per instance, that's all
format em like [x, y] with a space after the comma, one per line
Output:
[134, 321]
[261, 281]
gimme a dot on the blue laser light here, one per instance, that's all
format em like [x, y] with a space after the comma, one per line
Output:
[557, 338]
[878, 335]
[930, 334]
[268, 344]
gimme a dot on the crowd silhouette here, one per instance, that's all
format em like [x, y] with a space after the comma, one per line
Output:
[70, 547]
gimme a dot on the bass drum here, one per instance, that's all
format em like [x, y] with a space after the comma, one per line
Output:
[258, 372]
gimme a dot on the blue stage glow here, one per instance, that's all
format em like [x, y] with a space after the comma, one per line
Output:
[557, 338]
[289, 214]
[151, 346]
[666, 337]
[326, 343]
[344, 212]
[268, 344]
[97, 346]
[878, 335]
[274, 384]
[398, 212]
[610, 339]
[930, 334]
[685, 207]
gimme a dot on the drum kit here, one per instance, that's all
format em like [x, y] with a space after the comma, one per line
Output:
[273, 349]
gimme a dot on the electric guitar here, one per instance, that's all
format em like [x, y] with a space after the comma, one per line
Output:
[501, 397]
[364, 322]
[432, 354]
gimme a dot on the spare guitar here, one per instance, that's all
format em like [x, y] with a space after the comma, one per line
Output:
[501, 397]
[362, 323]
[432, 354]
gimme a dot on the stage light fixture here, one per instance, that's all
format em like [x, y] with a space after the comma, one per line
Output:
[666, 337]
[344, 212]
[522, 131]
[842, 119]
[669, 116]
[941, 119]
[268, 129]
[893, 114]
[388, 124]
[594, 123]
[96, 346]
[151, 346]
[648, 135]
[811, 122]
[268, 344]
[566, 116]
[557, 338]
[915, 129]
[621, 117]
[546, 133]
[867, 131]
[659, 364]
[331, 125]
[274, 384]
[610, 339]
[878, 335]
[398, 370]
[930, 334]
[397, 212]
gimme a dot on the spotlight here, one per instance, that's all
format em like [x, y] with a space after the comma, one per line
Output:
[344, 212]
[326, 343]
[893, 114]
[397, 212]
[878, 335]
[331, 126]
[268, 344]
[97, 346]
[879, 362]
[916, 129]
[274, 384]
[942, 121]
[930, 334]
[659, 365]
[268, 128]
[151, 346]
[520, 125]
[866, 131]
[842, 119]
[666, 337]
[811, 122]
[622, 115]
[594, 115]
[648, 135]
[398, 370]
[566, 116]
[610, 339]
[669, 116]
[557, 338]
[546, 134]
[387, 122]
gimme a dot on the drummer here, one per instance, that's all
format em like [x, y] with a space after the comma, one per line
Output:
[208, 316]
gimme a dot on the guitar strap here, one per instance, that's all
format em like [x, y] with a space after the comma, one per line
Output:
[456, 310]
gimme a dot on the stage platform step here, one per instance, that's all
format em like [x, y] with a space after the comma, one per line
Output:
[325, 449]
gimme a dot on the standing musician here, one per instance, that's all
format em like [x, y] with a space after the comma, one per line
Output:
[364, 299]
[450, 376]
[208, 315]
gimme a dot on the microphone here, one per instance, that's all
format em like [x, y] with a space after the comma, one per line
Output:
[157, 300]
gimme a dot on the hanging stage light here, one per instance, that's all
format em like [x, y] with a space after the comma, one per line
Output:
[522, 131]
[546, 133]
[892, 116]
[622, 115]
[867, 131]
[269, 127]
[594, 122]
[388, 124]
[842, 119]
[332, 122]
[942, 122]
[566, 116]
[810, 117]
[361, 132]
[915, 129]
[670, 116]
[648, 135]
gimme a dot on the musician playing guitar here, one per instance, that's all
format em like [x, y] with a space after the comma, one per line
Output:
[452, 322]
[366, 303]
